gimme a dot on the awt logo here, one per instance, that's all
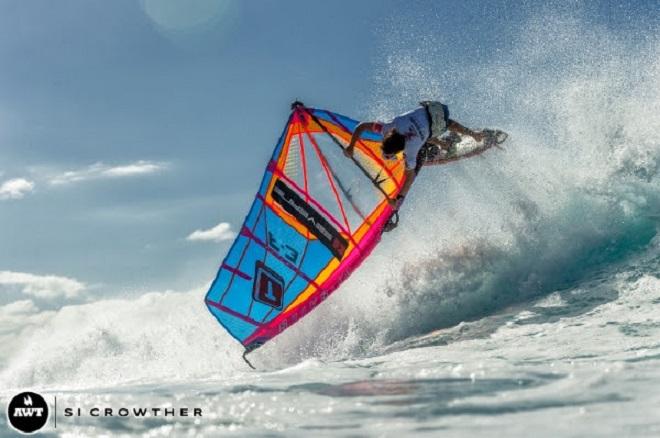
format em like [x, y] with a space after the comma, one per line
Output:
[27, 412]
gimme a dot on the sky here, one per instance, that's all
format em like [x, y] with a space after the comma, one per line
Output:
[133, 134]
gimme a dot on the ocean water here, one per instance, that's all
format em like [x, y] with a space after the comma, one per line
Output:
[519, 296]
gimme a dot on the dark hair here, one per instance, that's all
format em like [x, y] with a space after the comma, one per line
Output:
[393, 143]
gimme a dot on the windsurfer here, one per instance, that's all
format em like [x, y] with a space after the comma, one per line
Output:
[414, 133]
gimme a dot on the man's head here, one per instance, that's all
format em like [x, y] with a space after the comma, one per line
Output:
[393, 143]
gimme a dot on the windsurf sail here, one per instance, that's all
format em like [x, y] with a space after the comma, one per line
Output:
[316, 217]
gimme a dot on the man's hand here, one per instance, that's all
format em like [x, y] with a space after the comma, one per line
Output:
[395, 203]
[361, 127]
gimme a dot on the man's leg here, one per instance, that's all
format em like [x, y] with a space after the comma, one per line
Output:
[454, 126]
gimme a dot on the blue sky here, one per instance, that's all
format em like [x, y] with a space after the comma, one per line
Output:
[125, 126]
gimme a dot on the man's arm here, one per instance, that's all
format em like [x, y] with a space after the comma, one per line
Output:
[359, 130]
[454, 126]
[410, 178]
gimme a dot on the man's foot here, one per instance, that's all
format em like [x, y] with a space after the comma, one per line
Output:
[389, 227]
[452, 138]
[392, 222]
[479, 136]
[494, 137]
[449, 142]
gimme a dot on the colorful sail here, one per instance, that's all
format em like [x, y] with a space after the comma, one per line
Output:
[316, 217]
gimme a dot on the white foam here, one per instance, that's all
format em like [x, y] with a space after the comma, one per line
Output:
[166, 336]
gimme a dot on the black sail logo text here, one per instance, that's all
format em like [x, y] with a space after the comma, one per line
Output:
[310, 218]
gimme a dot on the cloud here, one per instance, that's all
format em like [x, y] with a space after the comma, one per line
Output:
[42, 286]
[103, 171]
[15, 188]
[220, 232]
[18, 308]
